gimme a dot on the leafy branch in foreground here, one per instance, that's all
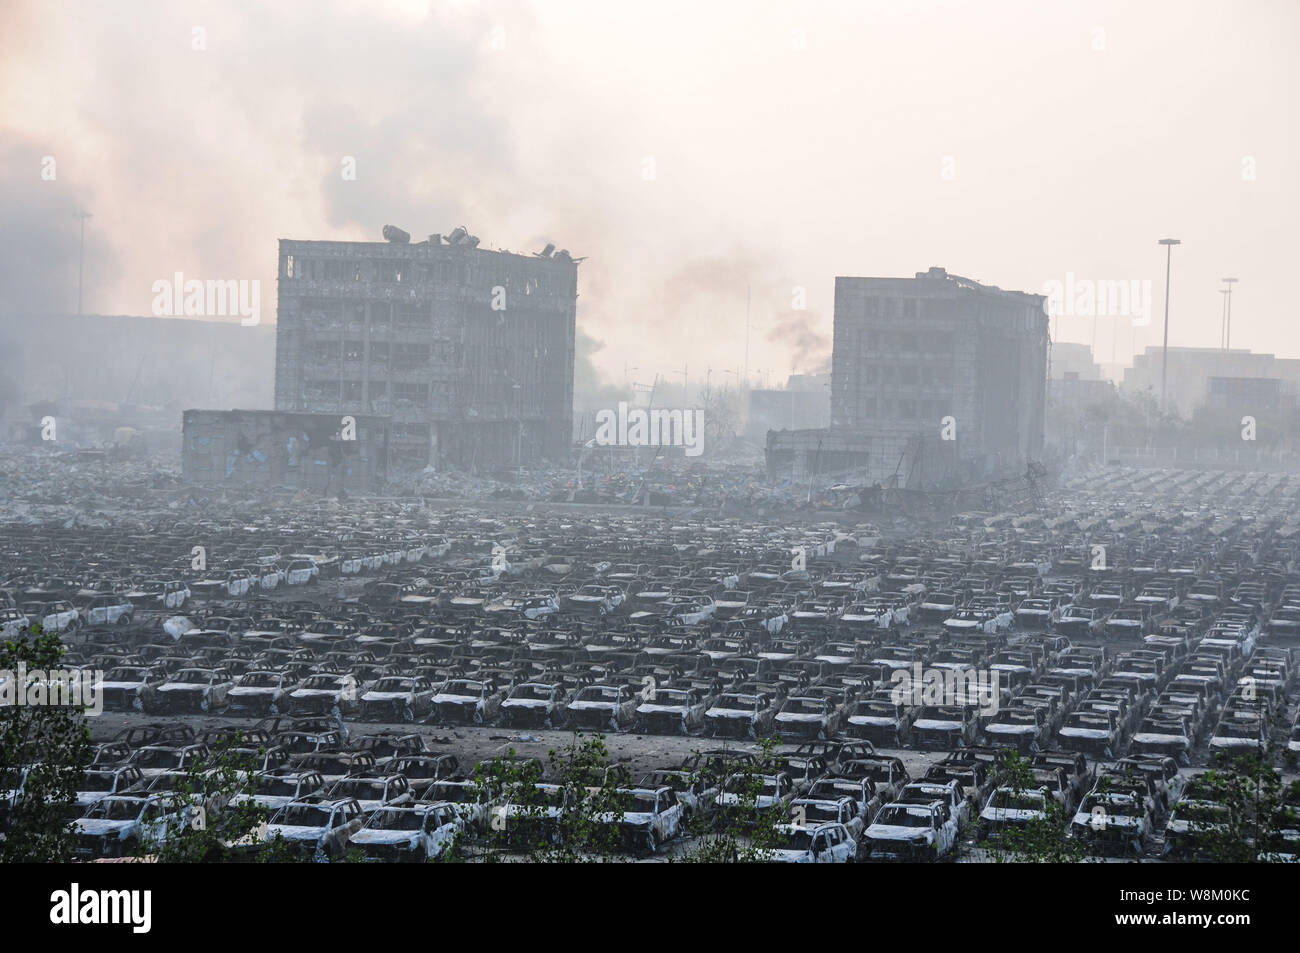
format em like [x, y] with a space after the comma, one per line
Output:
[576, 817]
[1247, 813]
[44, 752]
[741, 825]
[219, 819]
[1039, 834]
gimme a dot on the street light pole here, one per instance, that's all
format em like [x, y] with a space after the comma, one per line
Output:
[747, 297]
[1227, 334]
[1169, 244]
[81, 256]
[1223, 321]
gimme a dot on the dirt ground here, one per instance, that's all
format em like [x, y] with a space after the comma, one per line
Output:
[641, 753]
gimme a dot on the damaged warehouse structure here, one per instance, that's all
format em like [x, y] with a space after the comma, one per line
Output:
[468, 351]
[935, 380]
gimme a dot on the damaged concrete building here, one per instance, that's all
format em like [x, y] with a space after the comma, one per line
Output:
[468, 351]
[935, 380]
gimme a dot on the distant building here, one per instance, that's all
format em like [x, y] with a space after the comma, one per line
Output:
[1192, 370]
[1070, 361]
[1075, 386]
[468, 351]
[937, 376]
[1080, 401]
[130, 363]
[1252, 395]
[804, 403]
[1077, 394]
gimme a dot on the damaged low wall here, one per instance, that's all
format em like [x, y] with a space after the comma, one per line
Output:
[324, 453]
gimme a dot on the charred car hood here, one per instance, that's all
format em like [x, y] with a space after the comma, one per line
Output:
[892, 832]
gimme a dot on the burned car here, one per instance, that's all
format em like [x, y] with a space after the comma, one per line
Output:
[943, 727]
[397, 698]
[740, 715]
[533, 704]
[193, 690]
[119, 825]
[646, 819]
[672, 711]
[910, 833]
[823, 843]
[467, 701]
[1110, 822]
[317, 830]
[1009, 808]
[130, 688]
[414, 833]
[600, 706]
[808, 716]
[261, 692]
[881, 719]
[325, 693]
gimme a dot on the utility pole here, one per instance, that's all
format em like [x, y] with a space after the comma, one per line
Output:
[1169, 244]
[81, 257]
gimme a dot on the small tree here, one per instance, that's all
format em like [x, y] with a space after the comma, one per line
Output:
[575, 818]
[44, 752]
[593, 802]
[1042, 840]
[1260, 807]
[217, 828]
[741, 832]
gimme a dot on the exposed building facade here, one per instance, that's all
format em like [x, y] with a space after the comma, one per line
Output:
[468, 351]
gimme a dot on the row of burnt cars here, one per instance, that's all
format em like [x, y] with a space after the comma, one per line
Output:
[1144, 706]
[1130, 562]
[389, 796]
[445, 650]
[1026, 689]
[1109, 556]
[63, 600]
[654, 646]
[1096, 605]
[1147, 704]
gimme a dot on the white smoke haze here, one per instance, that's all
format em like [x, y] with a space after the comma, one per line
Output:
[789, 143]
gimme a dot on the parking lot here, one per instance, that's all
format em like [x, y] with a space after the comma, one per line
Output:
[373, 652]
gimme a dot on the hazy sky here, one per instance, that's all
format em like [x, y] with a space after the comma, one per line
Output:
[1011, 142]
